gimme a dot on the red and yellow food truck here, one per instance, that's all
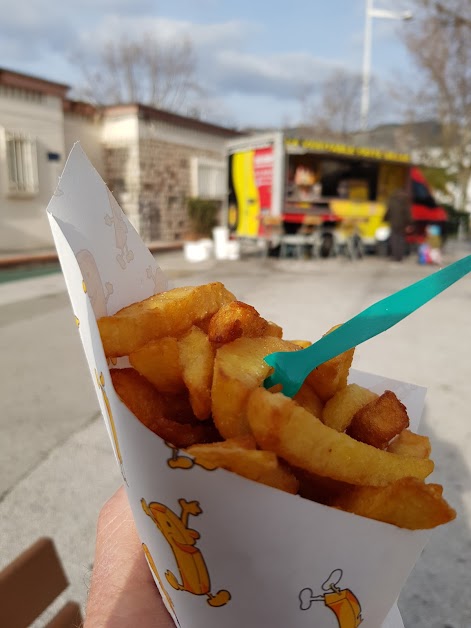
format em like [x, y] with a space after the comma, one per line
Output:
[275, 175]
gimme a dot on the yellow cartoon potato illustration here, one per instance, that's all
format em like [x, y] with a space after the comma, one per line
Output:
[342, 602]
[182, 461]
[151, 562]
[177, 460]
[182, 540]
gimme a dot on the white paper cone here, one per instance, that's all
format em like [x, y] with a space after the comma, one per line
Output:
[224, 551]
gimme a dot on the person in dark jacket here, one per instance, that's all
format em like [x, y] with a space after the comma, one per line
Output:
[399, 217]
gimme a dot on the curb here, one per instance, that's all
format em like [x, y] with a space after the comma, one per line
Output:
[11, 261]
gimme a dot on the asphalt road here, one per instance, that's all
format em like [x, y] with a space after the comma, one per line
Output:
[56, 464]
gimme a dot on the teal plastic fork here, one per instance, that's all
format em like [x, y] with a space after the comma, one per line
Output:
[292, 368]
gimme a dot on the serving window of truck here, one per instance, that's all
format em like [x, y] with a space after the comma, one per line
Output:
[291, 178]
[340, 182]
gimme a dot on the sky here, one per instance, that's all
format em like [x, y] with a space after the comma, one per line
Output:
[255, 59]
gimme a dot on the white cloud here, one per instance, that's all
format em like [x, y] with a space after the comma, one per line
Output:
[223, 65]
[285, 75]
[167, 31]
[42, 35]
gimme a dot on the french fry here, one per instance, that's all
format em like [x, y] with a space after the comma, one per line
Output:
[204, 324]
[234, 320]
[274, 330]
[331, 376]
[280, 425]
[318, 488]
[151, 409]
[169, 313]
[379, 421]
[159, 362]
[235, 454]
[407, 503]
[239, 368]
[340, 409]
[240, 456]
[410, 444]
[198, 352]
[197, 363]
[308, 399]
[304, 344]
[436, 489]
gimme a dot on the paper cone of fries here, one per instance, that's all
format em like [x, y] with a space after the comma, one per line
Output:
[224, 550]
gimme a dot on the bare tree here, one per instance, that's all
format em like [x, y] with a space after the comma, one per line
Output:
[144, 71]
[439, 43]
[452, 14]
[334, 114]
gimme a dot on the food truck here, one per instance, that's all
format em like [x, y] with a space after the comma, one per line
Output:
[292, 178]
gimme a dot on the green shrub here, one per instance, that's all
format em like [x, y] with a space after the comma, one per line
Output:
[203, 216]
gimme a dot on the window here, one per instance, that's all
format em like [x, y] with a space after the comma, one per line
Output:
[22, 164]
[208, 178]
[421, 195]
[29, 95]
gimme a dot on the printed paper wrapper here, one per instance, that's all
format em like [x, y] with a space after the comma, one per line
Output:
[224, 551]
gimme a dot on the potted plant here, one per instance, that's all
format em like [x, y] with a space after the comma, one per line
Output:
[202, 215]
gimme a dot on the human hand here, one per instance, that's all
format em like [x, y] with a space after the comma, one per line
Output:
[122, 590]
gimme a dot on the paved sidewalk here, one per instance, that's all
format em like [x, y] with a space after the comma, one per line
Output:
[57, 466]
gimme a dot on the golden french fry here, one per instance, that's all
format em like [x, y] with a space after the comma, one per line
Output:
[379, 421]
[154, 410]
[280, 425]
[304, 344]
[234, 320]
[410, 444]
[273, 330]
[436, 489]
[308, 399]
[239, 368]
[340, 409]
[407, 503]
[376, 469]
[234, 453]
[331, 376]
[238, 456]
[318, 488]
[169, 313]
[197, 363]
[159, 362]
[281, 478]
[204, 324]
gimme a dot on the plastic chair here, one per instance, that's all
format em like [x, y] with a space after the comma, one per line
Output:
[305, 238]
[296, 241]
[272, 232]
[348, 240]
[30, 584]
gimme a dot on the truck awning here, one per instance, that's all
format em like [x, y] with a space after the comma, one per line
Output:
[430, 212]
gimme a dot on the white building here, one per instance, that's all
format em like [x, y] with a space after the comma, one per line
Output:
[152, 160]
[32, 151]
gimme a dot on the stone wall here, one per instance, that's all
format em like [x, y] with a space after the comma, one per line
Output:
[165, 186]
[152, 182]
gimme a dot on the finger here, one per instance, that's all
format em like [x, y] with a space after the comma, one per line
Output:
[122, 592]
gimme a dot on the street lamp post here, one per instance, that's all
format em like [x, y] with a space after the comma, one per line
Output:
[370, 13]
